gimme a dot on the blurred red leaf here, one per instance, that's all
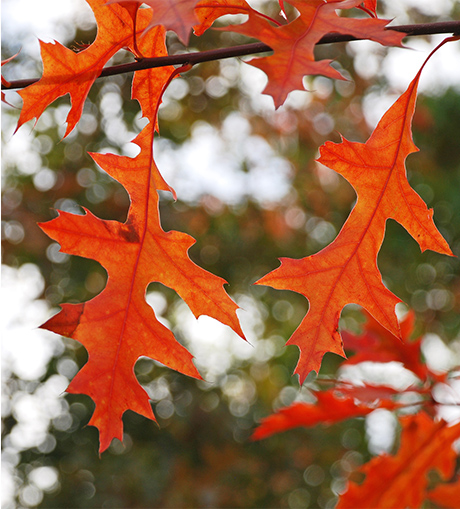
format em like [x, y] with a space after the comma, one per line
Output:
[377, 344]
[329, 408]
[400, 481]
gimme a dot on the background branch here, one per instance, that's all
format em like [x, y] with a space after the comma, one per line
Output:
[444, 27]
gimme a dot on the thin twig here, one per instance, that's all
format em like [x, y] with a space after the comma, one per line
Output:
[444, 27]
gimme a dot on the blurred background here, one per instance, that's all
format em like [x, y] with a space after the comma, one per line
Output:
[249, 191]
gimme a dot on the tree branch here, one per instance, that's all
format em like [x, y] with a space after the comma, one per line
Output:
[444, 27]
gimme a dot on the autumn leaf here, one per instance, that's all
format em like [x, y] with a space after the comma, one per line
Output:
[344, 401]
[329, 408]
[346, 270]
[118, 326]
[377, 344]
[401, 480]
[293, 44]
[69, 72]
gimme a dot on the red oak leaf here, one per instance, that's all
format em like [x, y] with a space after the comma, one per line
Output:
[68, 72]
[118, 326]
[401, 480]
[329, 408]
[293, 44]
[346, 270]
[379, 345]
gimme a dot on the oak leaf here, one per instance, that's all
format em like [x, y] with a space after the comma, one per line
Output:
[401, 480]
[69, 72]
[118, 326]
[328, 409]
[293, 44]
[346, 270]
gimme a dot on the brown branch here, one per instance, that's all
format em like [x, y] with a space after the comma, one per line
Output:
[444, 27]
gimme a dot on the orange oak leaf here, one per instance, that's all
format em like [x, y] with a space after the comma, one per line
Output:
[68, 72]
[379, 345]
[401, 480]
[118, 326]
[293, 44]
[346, 270]
[328, 409]
[446, 494]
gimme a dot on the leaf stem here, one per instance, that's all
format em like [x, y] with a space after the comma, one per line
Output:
[444, 27]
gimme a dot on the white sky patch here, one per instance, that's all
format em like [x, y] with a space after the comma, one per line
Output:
[216, 348]
[438, 355]
[211, 163]
[400, 67]
[25, 21]
[389, 373]
[402, 64]
[26, 352]
[380, 431]
[22, 314]
[399, 8]
[448, 395]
